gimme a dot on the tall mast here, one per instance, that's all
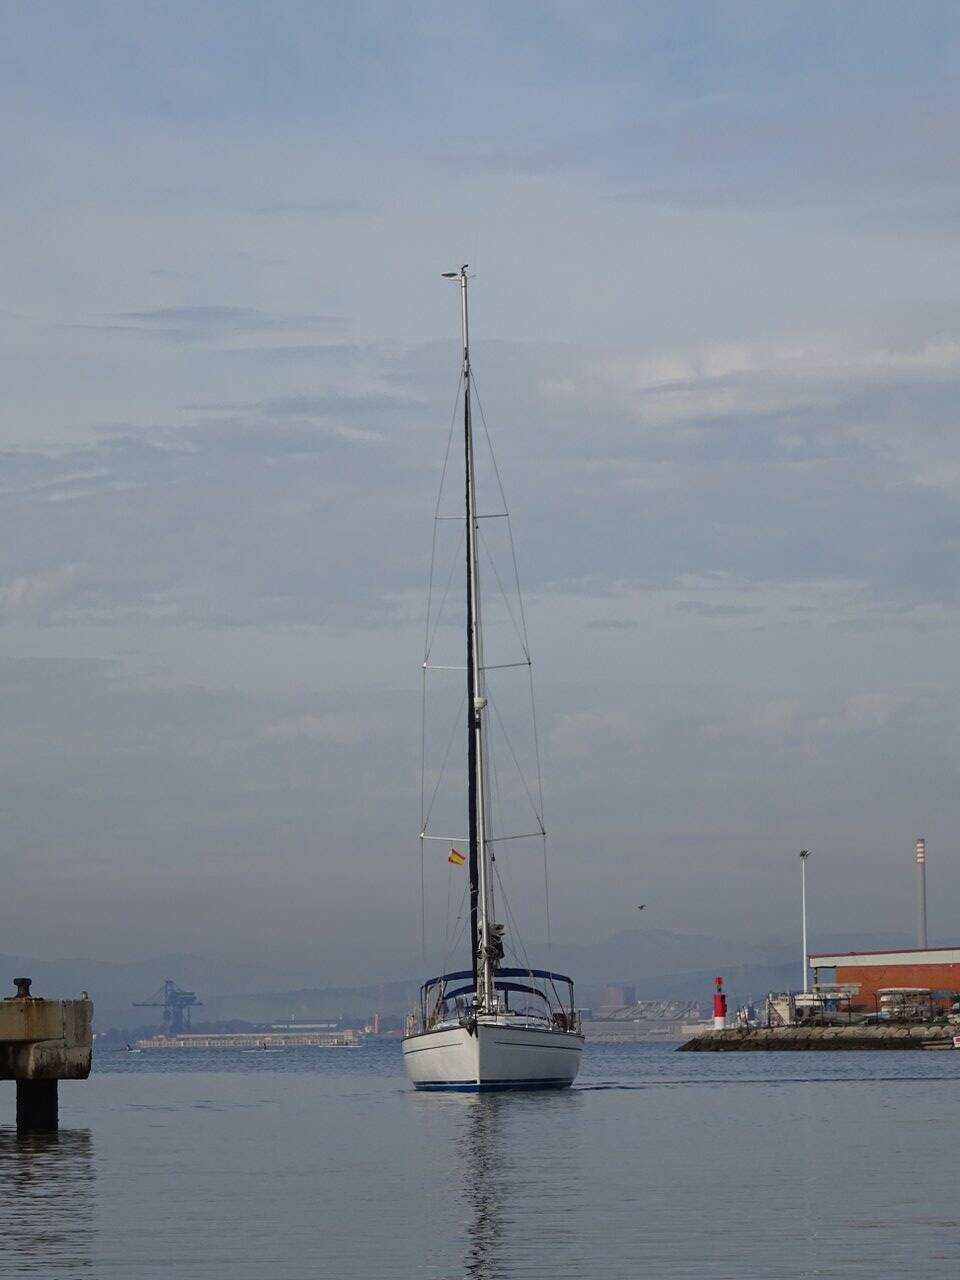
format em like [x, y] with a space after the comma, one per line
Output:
[480, 871]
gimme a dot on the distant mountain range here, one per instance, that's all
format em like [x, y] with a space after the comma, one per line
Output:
[664, 965]
[661, 965]
[115, 986]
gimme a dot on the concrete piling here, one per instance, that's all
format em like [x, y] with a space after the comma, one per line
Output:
[43, 1042]
[38, 1106]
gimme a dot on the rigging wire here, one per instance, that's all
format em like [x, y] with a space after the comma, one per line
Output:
[521, 957]
[446, 918]
[436, 510]
[506, 600]
[423, 778]
[423, 909]
[427, 642]
[432, 624]
[432, 635]
[506, 738]
[526, 648]
[519, 952]
[460, 923]
[525, 962]
[446, 756]
[503, 498]
[543, 823]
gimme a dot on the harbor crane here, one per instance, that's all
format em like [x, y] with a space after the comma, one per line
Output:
[176, 1005]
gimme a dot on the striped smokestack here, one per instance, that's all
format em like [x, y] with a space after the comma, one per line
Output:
[921, 893]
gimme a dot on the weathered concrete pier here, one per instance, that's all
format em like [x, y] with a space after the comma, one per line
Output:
[41, 1042]
[751, 1039]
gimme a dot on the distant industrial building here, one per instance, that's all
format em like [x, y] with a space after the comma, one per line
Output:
[867, 973]
[641, 1020]
[617, 997]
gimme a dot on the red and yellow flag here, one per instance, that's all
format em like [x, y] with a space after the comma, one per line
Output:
[456, 858]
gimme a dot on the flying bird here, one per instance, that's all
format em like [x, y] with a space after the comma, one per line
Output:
[641, 906]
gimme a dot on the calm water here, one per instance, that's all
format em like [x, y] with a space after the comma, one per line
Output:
[316, 1163]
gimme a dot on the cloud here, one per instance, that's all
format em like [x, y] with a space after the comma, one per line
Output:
[212, 323]
[37, 594]
[344, 207]
[705, 609]
[798, 725]
[612, 624]
[585, 734]
[814, 456]
[817, 370]
[813, 139]
[227, 520]
[336, 730]
[717, 341]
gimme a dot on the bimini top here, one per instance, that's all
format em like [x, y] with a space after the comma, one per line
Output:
[500, 973]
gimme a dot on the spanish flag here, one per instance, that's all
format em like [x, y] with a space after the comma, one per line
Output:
[456, 858]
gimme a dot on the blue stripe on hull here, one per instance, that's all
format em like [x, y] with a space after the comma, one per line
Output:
[472, 1086]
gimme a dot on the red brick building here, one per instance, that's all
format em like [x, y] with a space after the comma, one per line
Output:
[934, 968]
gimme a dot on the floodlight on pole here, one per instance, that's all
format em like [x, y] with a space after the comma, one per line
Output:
[804, 855]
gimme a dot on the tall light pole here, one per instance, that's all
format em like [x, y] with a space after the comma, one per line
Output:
[922, 893]
[804, 855]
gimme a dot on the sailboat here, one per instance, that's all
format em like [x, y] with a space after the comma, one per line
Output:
[491, 1026]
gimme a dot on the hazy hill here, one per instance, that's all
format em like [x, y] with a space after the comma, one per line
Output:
[644, 956]
[658, 963]
[115, 986]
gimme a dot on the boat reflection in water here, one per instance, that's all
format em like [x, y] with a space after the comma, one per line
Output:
[47, 1202]
[483, 1183]
[516, 1203]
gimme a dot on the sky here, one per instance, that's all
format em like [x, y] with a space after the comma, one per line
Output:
[716, 331]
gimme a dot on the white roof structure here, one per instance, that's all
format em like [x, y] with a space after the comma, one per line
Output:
[877, 959]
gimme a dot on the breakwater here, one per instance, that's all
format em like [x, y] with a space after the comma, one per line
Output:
[753, 1039]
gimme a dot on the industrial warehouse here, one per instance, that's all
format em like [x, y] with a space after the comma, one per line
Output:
[871, 980]
[907, 998]
[921, 980]
[917, 984]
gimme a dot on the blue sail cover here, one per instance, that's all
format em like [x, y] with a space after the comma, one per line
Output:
[500, 973]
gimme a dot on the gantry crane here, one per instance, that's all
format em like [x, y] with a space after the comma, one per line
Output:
[176, 1005]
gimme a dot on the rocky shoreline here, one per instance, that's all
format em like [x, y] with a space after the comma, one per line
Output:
[753, 1039]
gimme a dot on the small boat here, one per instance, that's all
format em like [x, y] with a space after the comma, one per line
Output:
[487, 1027]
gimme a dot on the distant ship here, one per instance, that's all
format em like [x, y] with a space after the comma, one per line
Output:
[487, 1027]
[294, 1036]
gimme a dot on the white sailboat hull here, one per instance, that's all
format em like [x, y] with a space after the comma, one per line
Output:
[495, 1055]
